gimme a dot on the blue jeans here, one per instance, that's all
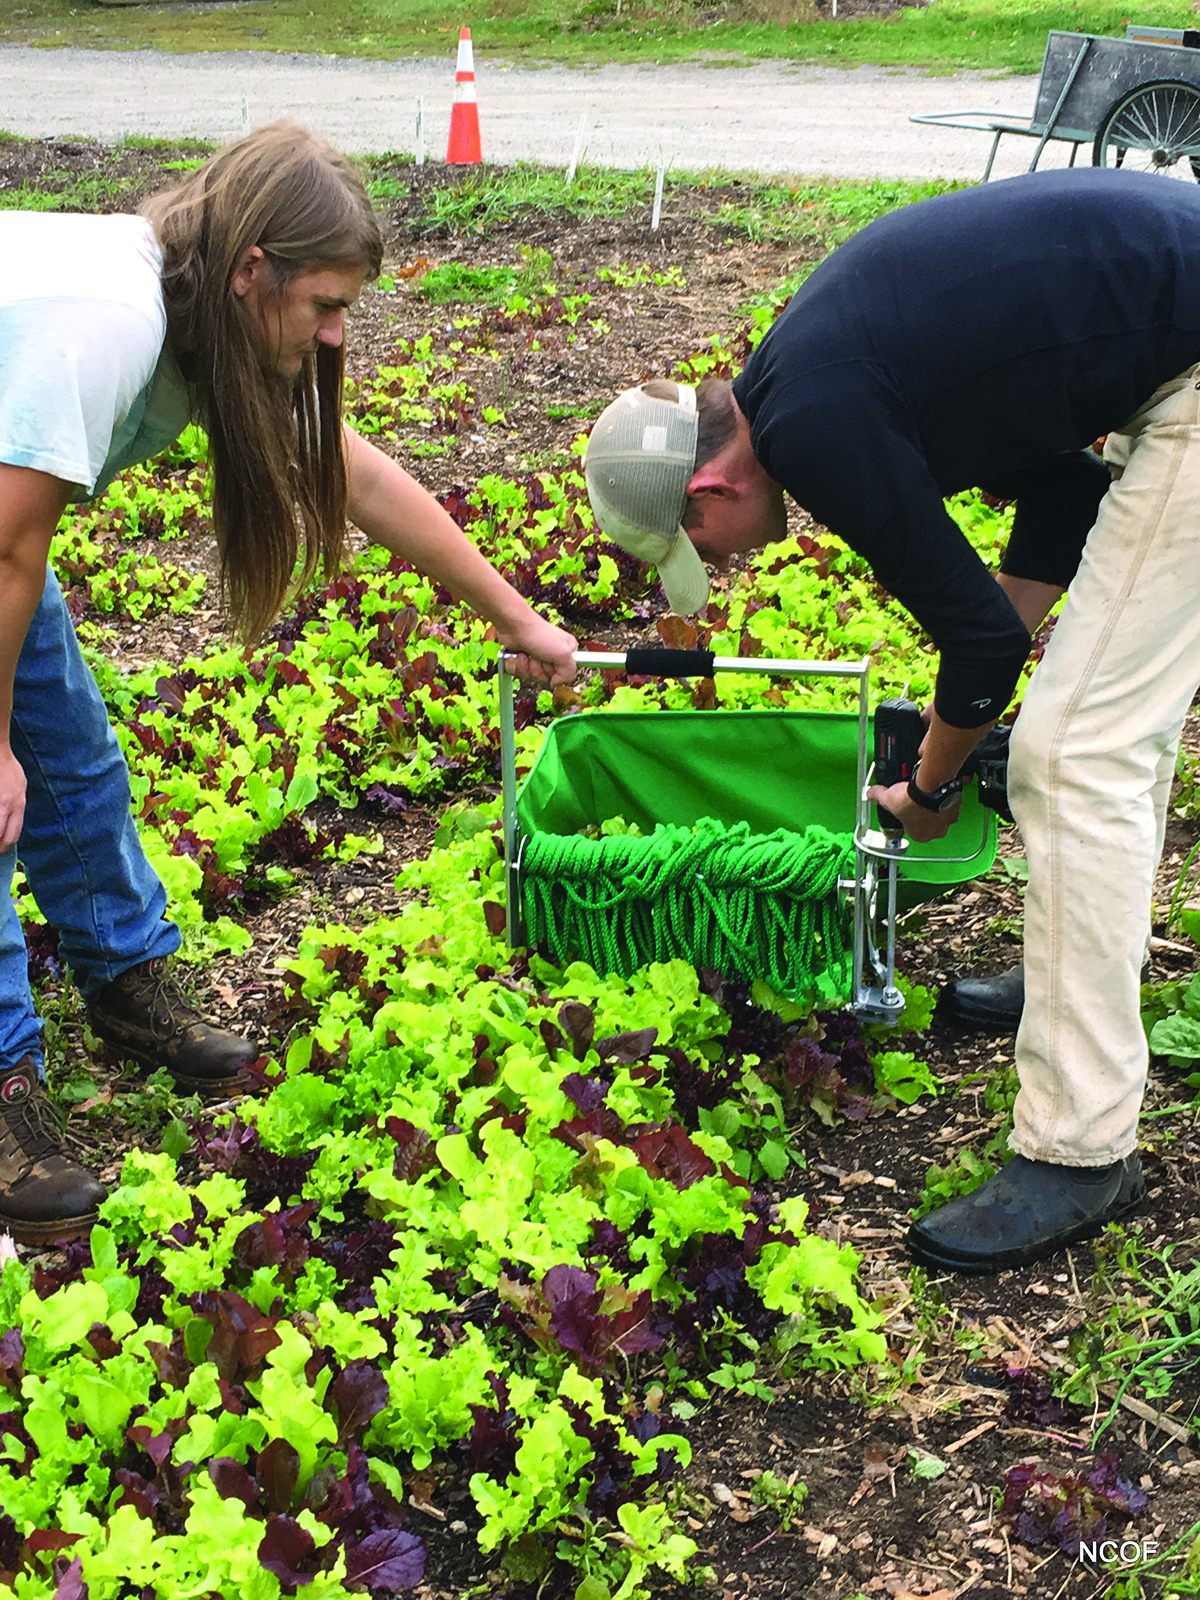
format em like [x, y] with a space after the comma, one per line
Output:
[79, 846]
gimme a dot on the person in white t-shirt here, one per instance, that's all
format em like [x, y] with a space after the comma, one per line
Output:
[224, 304]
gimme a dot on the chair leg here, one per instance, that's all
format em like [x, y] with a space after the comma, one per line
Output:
[987, 171]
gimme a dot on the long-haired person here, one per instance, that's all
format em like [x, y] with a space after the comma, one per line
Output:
[223, 304]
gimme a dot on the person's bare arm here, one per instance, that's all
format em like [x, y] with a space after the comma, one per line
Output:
[944, 749]
[394, 510]
[30, 506]
[1032, 601]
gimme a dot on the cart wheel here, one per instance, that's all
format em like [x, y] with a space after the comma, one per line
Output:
[1153, 128]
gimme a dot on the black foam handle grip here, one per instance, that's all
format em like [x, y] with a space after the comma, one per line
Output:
[662, 663]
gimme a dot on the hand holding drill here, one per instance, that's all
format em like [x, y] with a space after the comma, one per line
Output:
[899, 730]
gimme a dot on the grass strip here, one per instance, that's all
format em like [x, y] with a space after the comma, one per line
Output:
[992, 35]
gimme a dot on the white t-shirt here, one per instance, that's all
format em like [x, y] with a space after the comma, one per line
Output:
[86, 385]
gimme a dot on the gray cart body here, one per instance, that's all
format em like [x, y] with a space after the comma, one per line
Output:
[1083, 75]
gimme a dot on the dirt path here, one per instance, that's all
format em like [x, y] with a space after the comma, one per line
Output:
[766, 117]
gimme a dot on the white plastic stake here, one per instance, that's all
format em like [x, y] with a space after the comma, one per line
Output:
[835, 10]
[420, 135]
[658, 194]
[578, 149]
[245, 117]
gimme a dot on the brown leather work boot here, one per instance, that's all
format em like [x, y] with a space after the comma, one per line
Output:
[44, 1195]
[144, 1016]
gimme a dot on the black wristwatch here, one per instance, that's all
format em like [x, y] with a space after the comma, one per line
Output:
[940, 799]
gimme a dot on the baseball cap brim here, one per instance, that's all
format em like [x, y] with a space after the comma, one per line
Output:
[673, 554]
[683, 577]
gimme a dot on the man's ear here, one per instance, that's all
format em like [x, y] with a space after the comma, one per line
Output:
[711, 480]
[252, 268]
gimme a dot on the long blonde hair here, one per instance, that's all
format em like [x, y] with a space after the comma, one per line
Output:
[275, 443]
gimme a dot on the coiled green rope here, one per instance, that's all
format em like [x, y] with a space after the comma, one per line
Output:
[747, 905]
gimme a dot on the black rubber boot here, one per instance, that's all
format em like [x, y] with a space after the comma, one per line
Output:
[1027, 1211]
[144, 1016]
[44, 1195]
[993, 1005]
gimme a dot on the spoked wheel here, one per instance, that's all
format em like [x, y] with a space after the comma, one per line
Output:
[1153, 128]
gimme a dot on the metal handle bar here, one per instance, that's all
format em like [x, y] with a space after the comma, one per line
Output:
[702, 664]
[1008, 123]
[1062, 100]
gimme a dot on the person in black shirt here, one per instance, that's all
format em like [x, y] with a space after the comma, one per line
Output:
[985, 339]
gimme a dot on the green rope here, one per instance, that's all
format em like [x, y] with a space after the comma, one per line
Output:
[747, 905]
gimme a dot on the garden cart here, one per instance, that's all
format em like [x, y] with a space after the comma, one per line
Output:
[757, 856]
[1134, 101]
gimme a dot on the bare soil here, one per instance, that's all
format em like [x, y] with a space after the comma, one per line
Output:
[868, 1524]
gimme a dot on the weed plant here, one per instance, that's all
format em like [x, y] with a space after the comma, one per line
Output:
[71, 192]
[969, 1168]
[1148, 1333]
[1173, 1574]
[1171, 1017]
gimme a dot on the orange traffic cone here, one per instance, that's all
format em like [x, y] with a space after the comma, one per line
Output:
[463, 147]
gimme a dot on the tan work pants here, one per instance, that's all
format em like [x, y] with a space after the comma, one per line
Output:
[1093, 753]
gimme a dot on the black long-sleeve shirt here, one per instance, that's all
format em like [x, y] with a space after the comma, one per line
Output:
[980, 339]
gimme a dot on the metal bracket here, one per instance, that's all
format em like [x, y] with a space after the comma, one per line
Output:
[880, 1000]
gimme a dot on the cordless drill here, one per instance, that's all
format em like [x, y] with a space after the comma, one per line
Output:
[899, 730]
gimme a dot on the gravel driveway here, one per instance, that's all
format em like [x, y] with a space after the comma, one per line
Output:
[767, 117]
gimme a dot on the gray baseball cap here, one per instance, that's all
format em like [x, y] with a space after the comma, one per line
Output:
[640, 459]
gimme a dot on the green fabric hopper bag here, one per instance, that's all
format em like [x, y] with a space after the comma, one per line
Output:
[788, 775]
